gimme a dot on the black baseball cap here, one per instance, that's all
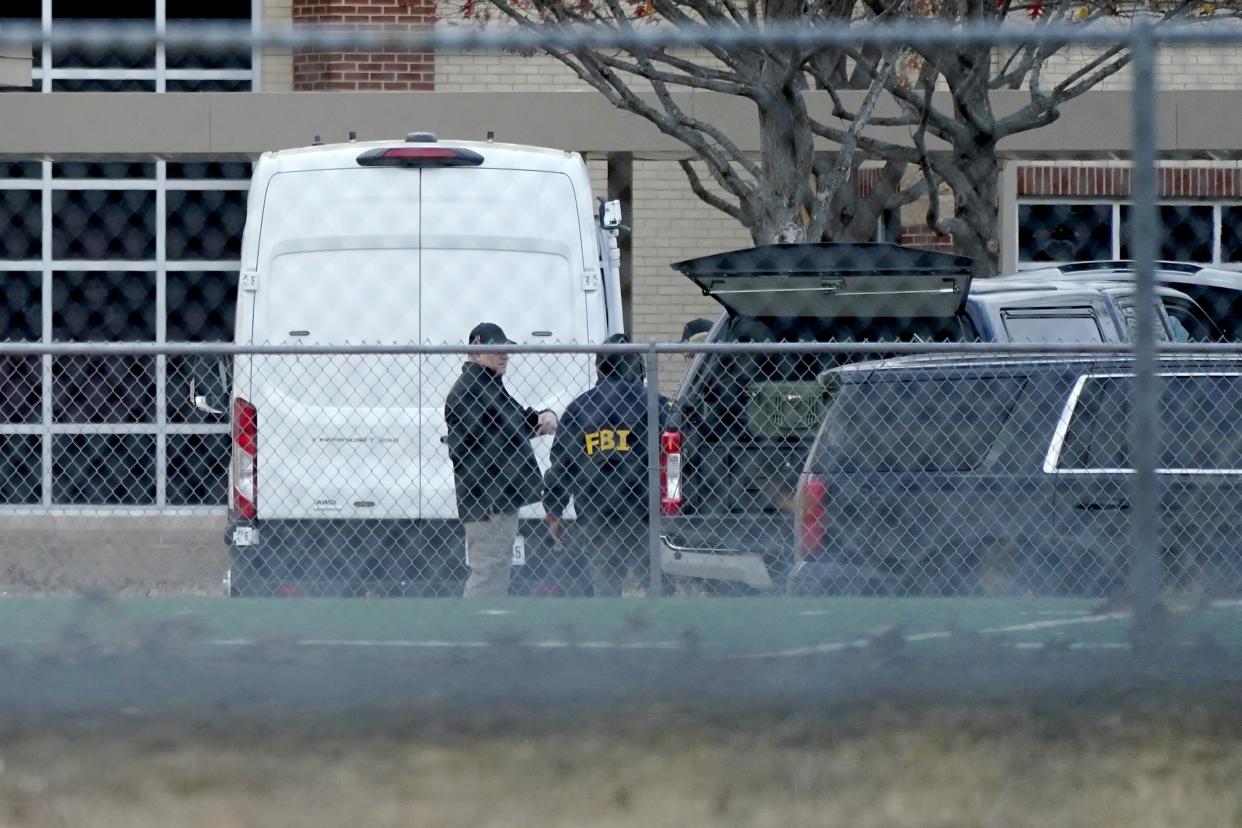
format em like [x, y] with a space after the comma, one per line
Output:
[488, 333]
[695, 326]
[627, 367]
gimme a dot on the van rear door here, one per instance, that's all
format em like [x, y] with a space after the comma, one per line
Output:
[503, 246]
[338, 265]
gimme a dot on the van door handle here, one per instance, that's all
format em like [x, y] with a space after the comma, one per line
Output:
[1107, 506]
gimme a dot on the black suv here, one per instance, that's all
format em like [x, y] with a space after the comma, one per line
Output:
[740, 425]
[1213, 291]
[991, 475]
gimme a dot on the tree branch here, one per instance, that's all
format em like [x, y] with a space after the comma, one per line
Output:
[845, 155]
[696, 186]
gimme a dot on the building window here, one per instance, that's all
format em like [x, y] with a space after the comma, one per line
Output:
[1055, 232]
[1064, 232]
[135, 251]
[145, 68]
[1187, 233]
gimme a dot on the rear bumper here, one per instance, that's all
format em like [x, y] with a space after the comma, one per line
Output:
[752, 550]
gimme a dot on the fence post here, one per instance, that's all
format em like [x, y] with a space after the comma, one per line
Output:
[1145, 564]
[655, 586]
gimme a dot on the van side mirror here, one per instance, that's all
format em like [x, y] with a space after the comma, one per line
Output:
[209, 383]
[609, 214]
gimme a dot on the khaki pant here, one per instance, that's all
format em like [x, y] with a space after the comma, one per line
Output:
[489, 549]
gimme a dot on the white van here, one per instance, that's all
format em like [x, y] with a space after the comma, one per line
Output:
[340, 480]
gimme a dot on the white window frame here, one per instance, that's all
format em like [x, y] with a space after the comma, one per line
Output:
[1115, 253]
[159, 265]
[43, 74]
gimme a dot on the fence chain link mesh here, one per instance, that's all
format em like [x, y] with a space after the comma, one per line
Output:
[339, 471]
[808, 470]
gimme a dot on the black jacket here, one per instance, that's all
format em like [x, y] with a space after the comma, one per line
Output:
[489, 434]
[600, 455]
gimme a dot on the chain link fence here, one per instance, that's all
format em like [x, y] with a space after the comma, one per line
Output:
[811, 468]
[936, 437]
[874, 536]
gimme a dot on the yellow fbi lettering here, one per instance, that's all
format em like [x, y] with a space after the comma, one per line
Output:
[607, 439]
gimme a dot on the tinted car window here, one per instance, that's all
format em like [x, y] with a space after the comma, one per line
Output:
[736, 387]
[786, 367]
[1040, 326]
[1189, 325]
[1130, 313]
[917, 425]
[1200, 424]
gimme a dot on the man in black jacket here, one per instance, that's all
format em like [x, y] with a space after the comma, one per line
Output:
[600, 459]
[494, 467]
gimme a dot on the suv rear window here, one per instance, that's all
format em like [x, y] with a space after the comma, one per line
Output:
[928, 425]
[1200, 425]
[1061, 325]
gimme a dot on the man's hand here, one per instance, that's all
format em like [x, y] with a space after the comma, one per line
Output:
[555, 527]
[547, 423]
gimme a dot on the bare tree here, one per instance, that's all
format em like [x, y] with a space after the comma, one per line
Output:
[969, 73]
[791, 192]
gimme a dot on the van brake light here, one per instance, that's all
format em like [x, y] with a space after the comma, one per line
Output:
[670, 473]
[812, 505]
[245, 460]
[419, 157]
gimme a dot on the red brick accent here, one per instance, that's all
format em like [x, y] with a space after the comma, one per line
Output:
[920, 235]
[1117, 182]
[866, 180]
[385, 70]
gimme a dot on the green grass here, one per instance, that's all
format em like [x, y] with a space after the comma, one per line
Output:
[724, 626]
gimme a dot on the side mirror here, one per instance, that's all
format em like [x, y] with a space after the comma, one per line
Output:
[609, 214]
[208, 389]
[200, 402]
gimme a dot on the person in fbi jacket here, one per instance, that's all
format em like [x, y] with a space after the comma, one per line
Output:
[599, 458]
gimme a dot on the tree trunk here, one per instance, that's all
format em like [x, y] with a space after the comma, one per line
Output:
[777, 209]
[976, 208]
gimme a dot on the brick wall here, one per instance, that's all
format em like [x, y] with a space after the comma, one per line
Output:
[1183, 67]
[670, 223]
[920, 235]
[499, 72]
[276, 66]
[1113, 182]
[1177, 67]
[355, 71]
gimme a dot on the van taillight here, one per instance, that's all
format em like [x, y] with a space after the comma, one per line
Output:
[245, 459]
[811, 515]
[670, 473]
[419, 157]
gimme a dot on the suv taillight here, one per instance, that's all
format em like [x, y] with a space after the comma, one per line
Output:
[670, 473]
[245, 459]
[811, 515]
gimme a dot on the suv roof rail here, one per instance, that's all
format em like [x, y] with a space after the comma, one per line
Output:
[1117, 264]
[820, 258]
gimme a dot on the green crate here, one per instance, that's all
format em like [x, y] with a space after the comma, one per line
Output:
[785, 409]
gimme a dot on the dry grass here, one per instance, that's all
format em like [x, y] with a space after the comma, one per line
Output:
[1155, 763]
